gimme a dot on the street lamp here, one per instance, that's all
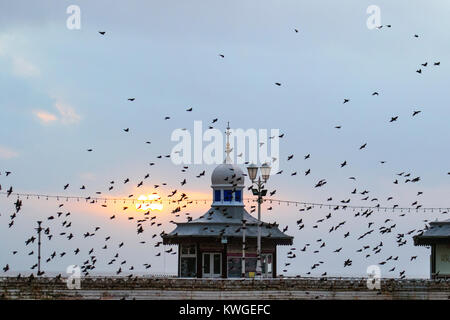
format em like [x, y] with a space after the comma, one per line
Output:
[260, 192]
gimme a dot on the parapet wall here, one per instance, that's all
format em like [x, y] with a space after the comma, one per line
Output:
[174, 288]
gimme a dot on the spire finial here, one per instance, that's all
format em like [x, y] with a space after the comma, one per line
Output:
[228, 148]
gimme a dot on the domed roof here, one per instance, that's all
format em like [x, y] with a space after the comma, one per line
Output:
[227, 173]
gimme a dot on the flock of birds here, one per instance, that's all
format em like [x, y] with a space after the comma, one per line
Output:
[58, 226]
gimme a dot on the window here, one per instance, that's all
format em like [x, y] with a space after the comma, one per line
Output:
[216, 195]
[266, 265]
[217, 261]
[227, 195]
[188, 267]
[188, 249]
[238, 196]
[188, 261]
[235, 266]
[250, 267]
[206, 263]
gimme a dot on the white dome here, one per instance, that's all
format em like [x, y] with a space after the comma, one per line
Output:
[227, 174]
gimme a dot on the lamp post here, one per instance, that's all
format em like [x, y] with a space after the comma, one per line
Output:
[39, 229]
[243, 248]
[260, 192]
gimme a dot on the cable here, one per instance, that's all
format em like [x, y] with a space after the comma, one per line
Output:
[307, 205]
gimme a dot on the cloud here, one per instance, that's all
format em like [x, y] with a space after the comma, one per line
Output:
[14, 50]
[24, 68]
[67, 113]
[45, 116]
[6, 153]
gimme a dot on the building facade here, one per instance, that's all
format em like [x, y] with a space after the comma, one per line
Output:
[437, 236]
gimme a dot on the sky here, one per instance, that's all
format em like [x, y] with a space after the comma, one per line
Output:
[65, 91]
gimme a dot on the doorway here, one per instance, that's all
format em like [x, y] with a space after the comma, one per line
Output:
[212, 265]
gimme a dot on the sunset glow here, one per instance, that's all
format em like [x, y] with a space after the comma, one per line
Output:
[152, 202]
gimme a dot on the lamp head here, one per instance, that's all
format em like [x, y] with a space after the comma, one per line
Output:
[265, 171]
[252, 171]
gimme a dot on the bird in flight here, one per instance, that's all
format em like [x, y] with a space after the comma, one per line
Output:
[102, 32]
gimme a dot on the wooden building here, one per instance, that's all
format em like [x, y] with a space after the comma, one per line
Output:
[212, 245]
